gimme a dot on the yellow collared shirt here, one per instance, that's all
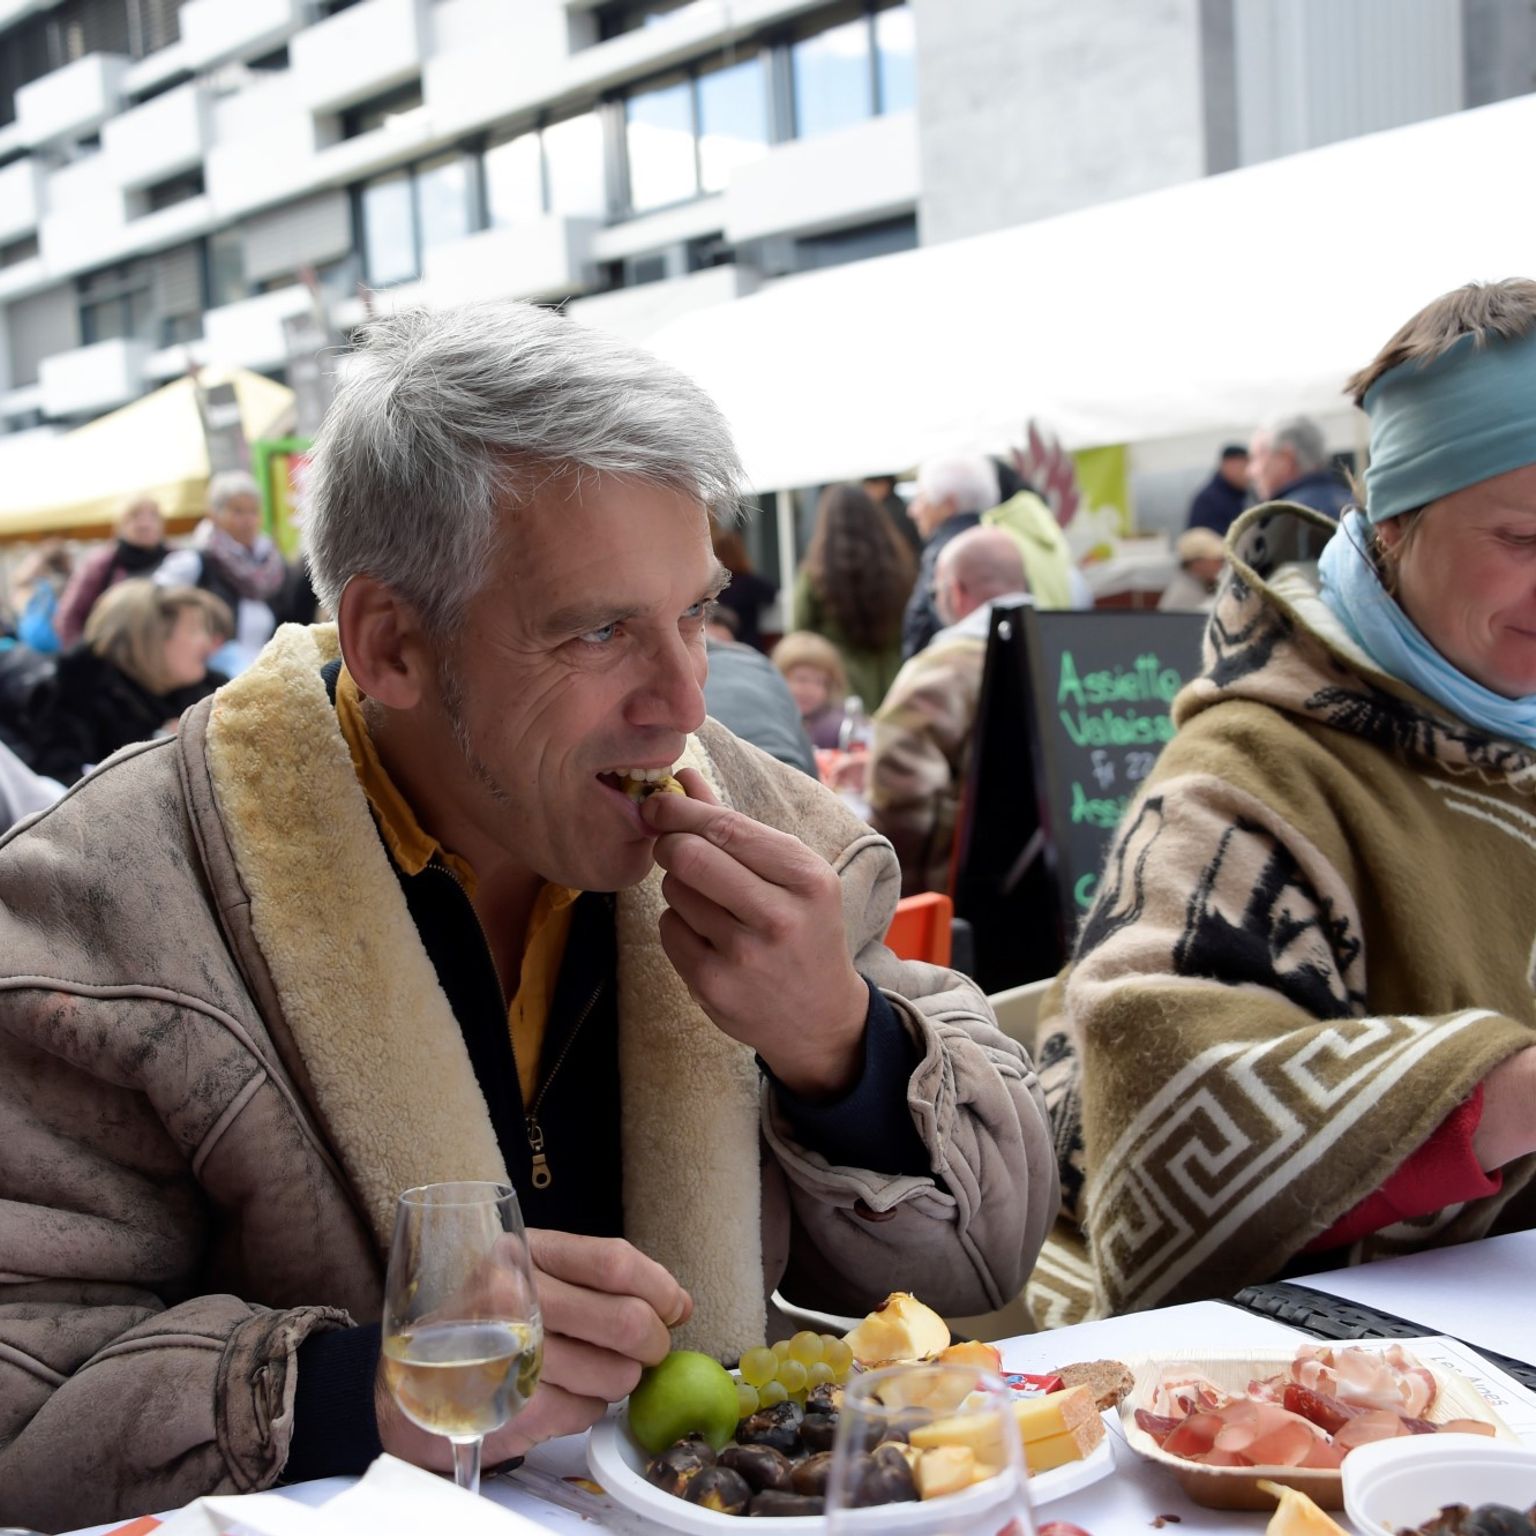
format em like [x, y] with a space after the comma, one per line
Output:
[412, 848]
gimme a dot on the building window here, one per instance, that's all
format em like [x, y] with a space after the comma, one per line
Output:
[406, 213]
[377, 112]
[733, 119]
[226, 268]
[856, 68]
[116, 303]
[18, 251]
[688, 134]
[659, 138]
[573, 166]
[514, 181]
[630, 15]
[859, 244]
[178, 189]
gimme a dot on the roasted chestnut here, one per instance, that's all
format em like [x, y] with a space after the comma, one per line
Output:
[817, 1431]
[891, 1481]
[720, 1489]
[761, 1465]
[810, 1476]
[772, 1502]
[679, 1464]
[778, 1426]
[827, 1398]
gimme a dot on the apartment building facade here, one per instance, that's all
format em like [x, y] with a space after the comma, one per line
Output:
[179, 178]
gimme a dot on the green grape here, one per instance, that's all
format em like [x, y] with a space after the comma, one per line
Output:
[838, 1355]
[758, 1366]
[747, 1402]
[771, 1392]
[792, 1376]
[806, 1348]
[781, 1349]
[819, 1373]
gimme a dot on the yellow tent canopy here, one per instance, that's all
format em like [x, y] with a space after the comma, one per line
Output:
[75, 483]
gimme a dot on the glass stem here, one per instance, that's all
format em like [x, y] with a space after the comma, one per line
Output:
[466, 1463]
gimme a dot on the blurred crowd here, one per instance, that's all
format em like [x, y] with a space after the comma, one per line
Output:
[873, 687]
[108, 647]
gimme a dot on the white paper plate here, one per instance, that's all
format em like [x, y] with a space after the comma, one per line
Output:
[618, 1464]
[1395, 1485]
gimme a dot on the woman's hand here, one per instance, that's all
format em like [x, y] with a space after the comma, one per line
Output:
[1508, 1127]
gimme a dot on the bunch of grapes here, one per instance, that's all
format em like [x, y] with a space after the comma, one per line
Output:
[790, 1369]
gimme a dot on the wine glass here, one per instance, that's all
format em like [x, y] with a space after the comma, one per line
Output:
[462, 1337]
[910, 1429]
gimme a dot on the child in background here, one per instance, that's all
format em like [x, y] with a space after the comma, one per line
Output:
[814, 671]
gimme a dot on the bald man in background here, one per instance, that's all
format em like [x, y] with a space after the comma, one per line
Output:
[923, 730]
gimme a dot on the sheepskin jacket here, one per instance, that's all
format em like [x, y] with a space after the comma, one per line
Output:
[224, 1051]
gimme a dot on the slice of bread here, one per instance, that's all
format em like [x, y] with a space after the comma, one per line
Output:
[1108, 1380]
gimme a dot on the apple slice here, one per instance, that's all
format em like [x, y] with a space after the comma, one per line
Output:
[900, 1330]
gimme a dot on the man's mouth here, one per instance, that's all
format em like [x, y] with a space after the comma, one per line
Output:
[641, 783]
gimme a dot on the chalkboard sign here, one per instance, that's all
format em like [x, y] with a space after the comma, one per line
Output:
[1100, 685]
[1072, 714]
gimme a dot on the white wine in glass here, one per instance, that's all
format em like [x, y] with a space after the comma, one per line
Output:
[462, 1338]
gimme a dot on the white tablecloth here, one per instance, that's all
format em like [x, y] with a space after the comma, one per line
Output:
[548, 1488]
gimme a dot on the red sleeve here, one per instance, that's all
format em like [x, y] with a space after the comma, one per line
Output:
[1444, 1171]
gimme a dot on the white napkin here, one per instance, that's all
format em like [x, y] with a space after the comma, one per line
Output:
[393, 1499]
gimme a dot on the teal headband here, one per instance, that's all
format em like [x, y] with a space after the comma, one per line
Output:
[1438, 427]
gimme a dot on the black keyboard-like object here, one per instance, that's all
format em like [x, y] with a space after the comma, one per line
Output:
[1330, 1317]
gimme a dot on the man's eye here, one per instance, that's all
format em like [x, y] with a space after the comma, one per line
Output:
[698, 610]
[599, 636]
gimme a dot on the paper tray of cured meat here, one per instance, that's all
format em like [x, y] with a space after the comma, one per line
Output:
[1238, 1413]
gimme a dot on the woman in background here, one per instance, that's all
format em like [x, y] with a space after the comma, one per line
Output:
[852, 589]
[138, 550]
[143, 660]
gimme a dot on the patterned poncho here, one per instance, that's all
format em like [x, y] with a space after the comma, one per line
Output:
[1313, 940]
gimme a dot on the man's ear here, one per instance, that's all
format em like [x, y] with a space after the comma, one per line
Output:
[383, 643]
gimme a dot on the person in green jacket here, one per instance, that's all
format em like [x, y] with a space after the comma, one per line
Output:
[852, 588]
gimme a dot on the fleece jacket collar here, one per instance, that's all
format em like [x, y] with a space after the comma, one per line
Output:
[389, 1075]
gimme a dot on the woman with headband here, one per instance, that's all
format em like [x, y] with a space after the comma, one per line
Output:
[1299, 1028]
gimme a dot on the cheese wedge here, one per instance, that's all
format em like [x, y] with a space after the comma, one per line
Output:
[1055, 1413]
[945, 1469]
[1065, 1417]
[1070, 1445]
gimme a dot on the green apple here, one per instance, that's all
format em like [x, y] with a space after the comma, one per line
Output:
[687, 1394]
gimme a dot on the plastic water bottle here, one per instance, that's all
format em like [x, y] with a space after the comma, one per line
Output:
[857, 732]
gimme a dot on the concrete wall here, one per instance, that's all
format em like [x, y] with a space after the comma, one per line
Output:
[1500, 50]
[1028, 108]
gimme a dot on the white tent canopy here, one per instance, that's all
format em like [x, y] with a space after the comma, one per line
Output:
[1206, 307]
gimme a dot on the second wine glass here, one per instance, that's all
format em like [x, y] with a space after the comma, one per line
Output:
[462, 1336]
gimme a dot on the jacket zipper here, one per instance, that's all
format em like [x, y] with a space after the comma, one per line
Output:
[541, 1176]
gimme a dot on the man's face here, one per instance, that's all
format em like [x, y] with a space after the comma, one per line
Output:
[1270, 468]
[582, 656]
[929, 513]
[1234, 470]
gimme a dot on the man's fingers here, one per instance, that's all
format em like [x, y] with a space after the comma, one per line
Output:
[773, 855]
[707, 918]
[697, 786]
[584, 1369]
[551, 1411]
[624, 1325]
[609, 1265]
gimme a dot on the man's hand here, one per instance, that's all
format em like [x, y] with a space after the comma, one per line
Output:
[607, 1310]
[1508, 1128]
[755, 928]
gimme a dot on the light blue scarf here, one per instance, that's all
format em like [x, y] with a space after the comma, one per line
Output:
[1378, 625]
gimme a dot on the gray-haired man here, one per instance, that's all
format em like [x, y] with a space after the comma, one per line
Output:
[385, 912]
[1288, 461]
